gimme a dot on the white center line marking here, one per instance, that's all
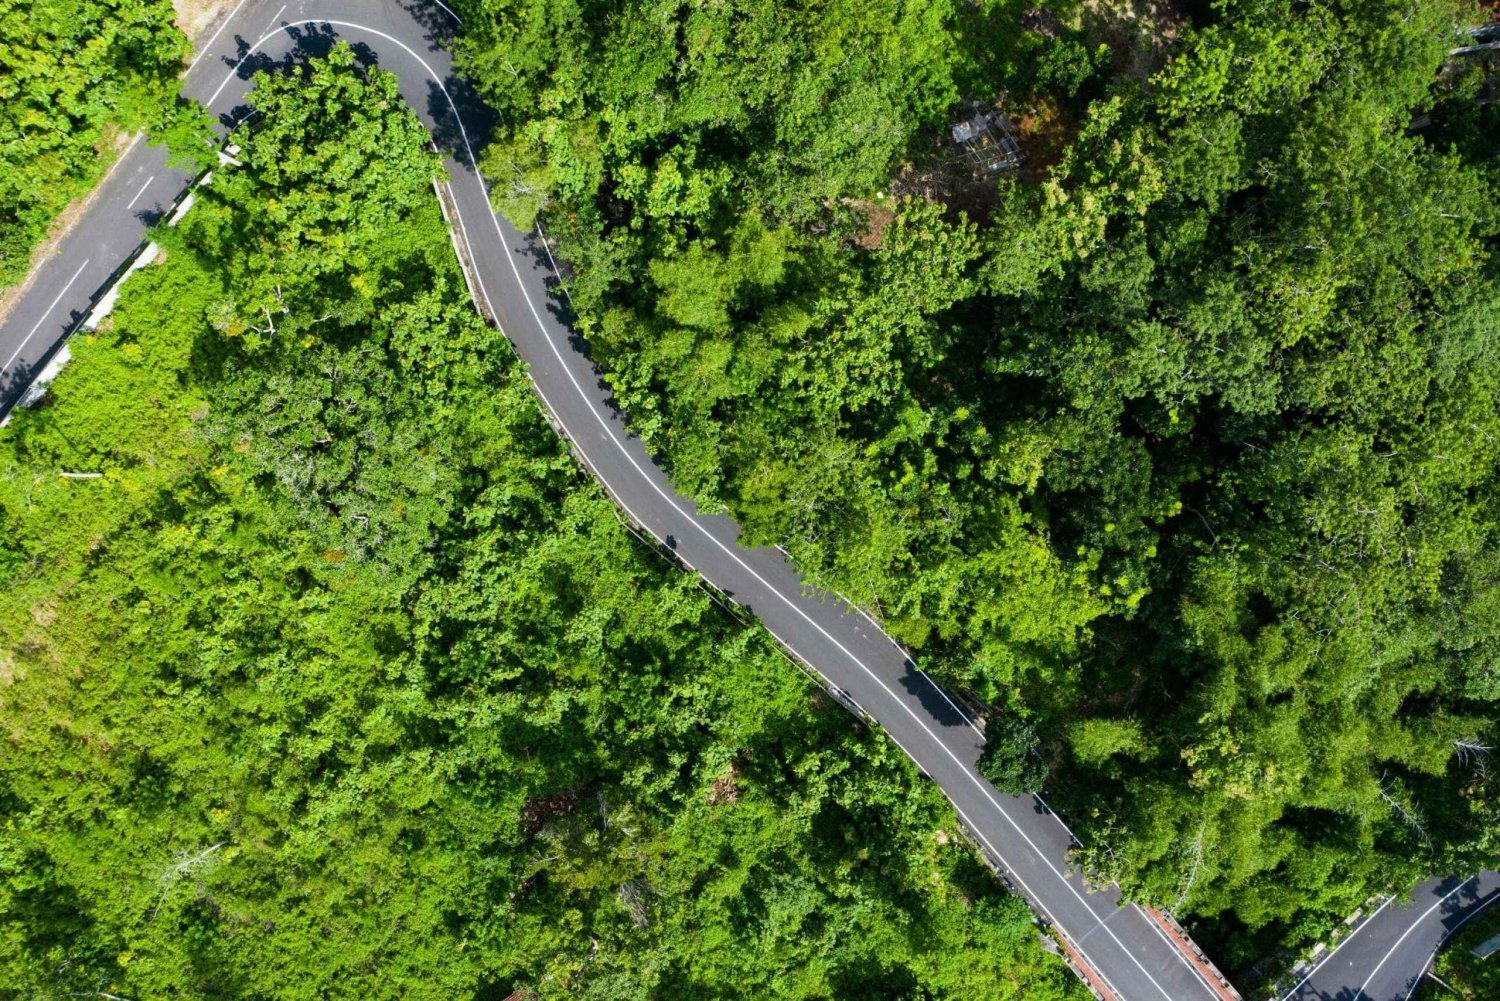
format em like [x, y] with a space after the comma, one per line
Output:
[141, 192]
[1409, 929]
[1347, 938]
[32, 333]
[275, 17]
[1451, 932]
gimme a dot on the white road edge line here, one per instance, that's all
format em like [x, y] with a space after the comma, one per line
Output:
[1334, 951]
[37, 326]
[1409, 929]
[275, 17]
[139, 193]
[449, 10]
[1454, 931]
[1060, 823]
[974, 829]
[970, 720]
[972, 723]
[708, 535]
[1202, 979]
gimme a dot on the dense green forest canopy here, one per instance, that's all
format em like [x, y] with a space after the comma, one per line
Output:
[76, 77]
[1179, 446]
[342, 680]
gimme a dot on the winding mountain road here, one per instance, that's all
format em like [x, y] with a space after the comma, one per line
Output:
[1124, 951]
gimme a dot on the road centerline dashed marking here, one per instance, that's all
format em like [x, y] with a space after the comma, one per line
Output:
[141, 192]
[37, 326]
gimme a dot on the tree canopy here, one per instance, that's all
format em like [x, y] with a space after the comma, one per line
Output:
[340, 678]
[1176, 447]
[1180, 443]
[76, 76]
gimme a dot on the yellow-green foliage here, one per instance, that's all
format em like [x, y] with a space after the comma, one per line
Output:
[343, 681]
[1185, 450]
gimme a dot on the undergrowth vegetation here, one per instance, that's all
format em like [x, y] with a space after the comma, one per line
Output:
[327, 673]
[1180, 450]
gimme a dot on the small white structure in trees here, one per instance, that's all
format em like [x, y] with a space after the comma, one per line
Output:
[987, 140]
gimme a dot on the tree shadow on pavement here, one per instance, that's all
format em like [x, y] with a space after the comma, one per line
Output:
[475, 121]
[306, 41]
[438, 23]
[937, 704]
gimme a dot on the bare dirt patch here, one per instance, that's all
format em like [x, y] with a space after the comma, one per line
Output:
[538, 811]
[1045, 131]
[877, 216]
[196, 17]
[725, 790]
[950, 181]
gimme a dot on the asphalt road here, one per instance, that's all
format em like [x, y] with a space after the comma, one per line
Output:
[1386, 957]
[1129, 954]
